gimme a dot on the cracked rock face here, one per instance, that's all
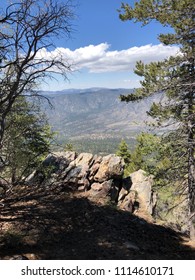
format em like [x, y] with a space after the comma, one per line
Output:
[100, 177]
[112, 166]
[85, 165]
[142, 185]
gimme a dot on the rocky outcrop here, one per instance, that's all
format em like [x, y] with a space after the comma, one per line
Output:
[110, 167]
[79, 171]
[100, 178]
[142, 185]
[137, 195]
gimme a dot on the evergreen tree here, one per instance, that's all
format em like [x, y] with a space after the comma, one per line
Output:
[174, 77]
[145, 154]
[27, 140]
[69, 147]
[123, 151]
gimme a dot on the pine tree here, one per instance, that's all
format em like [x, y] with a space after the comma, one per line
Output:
[27, 140]
[174, 78]
[69, 147]
[145, 154]
[123, 151]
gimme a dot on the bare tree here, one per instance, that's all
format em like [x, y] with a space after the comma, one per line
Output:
[27, 29]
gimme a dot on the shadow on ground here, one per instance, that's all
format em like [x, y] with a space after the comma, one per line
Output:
[57, 224]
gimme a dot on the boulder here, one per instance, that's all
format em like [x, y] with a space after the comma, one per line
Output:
[73, 176]
[58, 162]
[94, 167]
[108, 189]
[114, 191]
[126, 185]
[111, 167]
[69, 155]
[84, 184]
[128, 204]
[78, 171]
[101, 190]
[54, 165]
[84, 159]
[96, 187]
[142, 185]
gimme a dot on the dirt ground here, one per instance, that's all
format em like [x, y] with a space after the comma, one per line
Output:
[56, 223]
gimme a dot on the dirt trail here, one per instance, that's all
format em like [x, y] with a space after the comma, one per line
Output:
[56, 223]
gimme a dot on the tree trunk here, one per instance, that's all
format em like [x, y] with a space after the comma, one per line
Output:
[1, 131]
[191, 189]
[1, 143]
[191, 166]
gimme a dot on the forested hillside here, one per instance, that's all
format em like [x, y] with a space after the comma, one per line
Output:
[93, 119]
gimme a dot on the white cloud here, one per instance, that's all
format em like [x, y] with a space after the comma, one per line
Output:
[99, 59]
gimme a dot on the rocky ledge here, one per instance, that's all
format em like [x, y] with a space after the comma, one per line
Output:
[80, 207]
[98, 178]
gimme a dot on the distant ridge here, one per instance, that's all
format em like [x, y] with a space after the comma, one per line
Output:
[95, 113]
[87, 90]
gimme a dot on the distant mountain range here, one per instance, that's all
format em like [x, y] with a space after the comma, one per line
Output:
[95, 113]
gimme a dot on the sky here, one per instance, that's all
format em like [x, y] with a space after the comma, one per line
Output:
[104, 50]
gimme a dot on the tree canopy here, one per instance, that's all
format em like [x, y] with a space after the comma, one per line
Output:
[27, 29]
[175, 79]
[27, 140]
[124, 152]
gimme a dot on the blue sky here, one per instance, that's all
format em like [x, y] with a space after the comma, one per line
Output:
[104, 50]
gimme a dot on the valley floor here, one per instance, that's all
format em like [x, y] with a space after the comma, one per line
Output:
[56, 223]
